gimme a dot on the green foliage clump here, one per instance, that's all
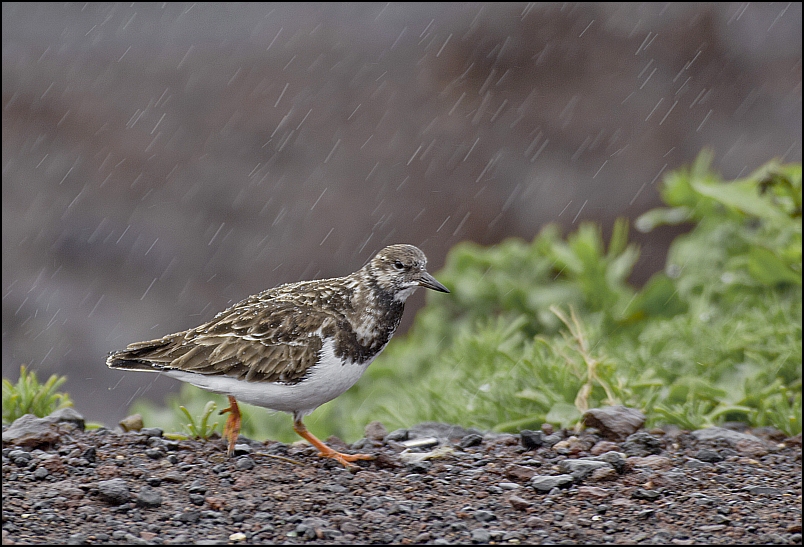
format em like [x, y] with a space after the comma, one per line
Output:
[199, 426]
[28, 396]
[539, 332]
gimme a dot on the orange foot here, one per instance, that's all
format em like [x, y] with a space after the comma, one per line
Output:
[232, 428]
[327, 452]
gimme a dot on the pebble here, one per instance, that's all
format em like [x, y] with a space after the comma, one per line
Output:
[545, 483]
[642, 443]
[645, 494]
[149, 497]
[244, 463]
[580, 469]
[114, 491]
[485, 516]
[518, 503]
[615, 423]
[480, 535]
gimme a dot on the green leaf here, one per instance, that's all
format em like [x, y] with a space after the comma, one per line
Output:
[563, 414]
[766, 267]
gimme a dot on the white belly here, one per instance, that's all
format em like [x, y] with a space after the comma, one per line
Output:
[327, 379]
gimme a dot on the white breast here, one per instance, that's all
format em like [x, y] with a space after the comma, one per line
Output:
[326, 380]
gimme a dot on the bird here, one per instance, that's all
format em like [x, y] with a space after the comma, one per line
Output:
[293, 347]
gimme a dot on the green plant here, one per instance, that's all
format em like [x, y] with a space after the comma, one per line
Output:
[199, 427]
[28, 396]
[538, 331]
[716, 336]
[257, 423]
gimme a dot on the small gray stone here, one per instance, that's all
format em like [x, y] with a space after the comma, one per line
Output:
[723, 434]
[244, 463]
[473, 439]
[580, 469]
[642, 443]
[40, 473]
[644, 494]
[418, 467]
[114, 491]
[192, 516]
[148, 497]
[531, 439]
[518, 503]
[375, 431]
[480, 535]
[397, 435]
[28, 430]
[615, 459]
[766, 490]
[197, 487]
[484, 516]
[154, 453]
[151, 431]
[708, 455]
[77, 539]
[545, 483]
[67, 415]
[614, 422]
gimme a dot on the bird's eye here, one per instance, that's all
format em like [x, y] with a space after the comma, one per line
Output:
[398, 265]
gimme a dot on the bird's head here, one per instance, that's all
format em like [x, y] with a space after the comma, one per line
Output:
[400, 270]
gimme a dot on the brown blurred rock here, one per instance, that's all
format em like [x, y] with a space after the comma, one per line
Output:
[614, 422]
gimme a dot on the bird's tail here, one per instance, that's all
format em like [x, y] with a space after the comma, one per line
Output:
[142, 356]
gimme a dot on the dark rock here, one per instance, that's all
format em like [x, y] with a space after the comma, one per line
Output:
[519, 472]
[642, 443]
[473, 439]
[532, 439]
[615, 459]
[375, 431]
[723, 434]
[545, 483]
[480, 535]
[40, 473]
[67, 415]
[580, 469]
[245, 463]
[518, 503]
[398, 435]
[707, 455]
[149, 497]
[114, 491]
[484, 516]
[28, 430]
[418, 466]
[644, 494]
[614, 422]
[762, 490]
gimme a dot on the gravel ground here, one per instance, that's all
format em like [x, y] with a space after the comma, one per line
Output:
[432, 484]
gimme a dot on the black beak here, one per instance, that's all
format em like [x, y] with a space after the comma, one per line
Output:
[429, 282]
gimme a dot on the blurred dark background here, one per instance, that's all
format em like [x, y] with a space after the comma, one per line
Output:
[162, 161]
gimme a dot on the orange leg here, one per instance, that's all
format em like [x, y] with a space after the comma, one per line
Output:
[232, 428]
[324, 450]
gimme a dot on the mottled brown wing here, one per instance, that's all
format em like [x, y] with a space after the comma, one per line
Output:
[262, 341]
